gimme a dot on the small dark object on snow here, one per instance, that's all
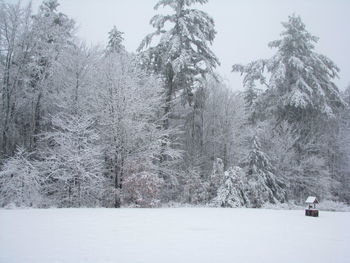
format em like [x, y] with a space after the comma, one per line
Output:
[311, 210]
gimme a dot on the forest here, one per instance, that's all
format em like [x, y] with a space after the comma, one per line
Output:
[92, 126]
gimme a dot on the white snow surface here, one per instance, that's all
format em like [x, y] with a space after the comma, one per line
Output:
[178, 235]
[310, 200]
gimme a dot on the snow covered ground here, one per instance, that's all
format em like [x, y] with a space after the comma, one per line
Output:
[172, 235]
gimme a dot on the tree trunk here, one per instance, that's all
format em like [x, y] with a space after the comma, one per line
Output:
[168, 96]
[6, 97]
[118, 179]
[167, 109]
[117, 202]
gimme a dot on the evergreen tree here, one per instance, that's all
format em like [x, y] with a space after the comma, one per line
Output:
[300, 92]
[262, 185]
[182, 58]
[182, 55]
[299, 81]
[231, 192]
[115, 40]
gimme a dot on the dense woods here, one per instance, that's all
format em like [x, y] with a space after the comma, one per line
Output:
[85, 126]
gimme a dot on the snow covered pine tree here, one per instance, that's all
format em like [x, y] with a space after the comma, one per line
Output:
[182, 55]
[298, 80]
[299, 90]
[231, 192]
[261, 184]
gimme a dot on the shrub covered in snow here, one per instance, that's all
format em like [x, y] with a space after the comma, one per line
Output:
[329, 205]
[142, 190]
[19, 181]
[230, 193]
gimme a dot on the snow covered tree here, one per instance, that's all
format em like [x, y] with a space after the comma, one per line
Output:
[298, 90]
[346, 95]
[342, 160]
[20, 181]
[262, 185]
[52, 32]
[302, 177]
[30, 45]
[224, 121]
[73, 84]
[182, 55]
[179, 52]
[72, 161]
[15, 55]
[133, 136]
[231, 192]
[115, 39]
[311, 177]
[299, 82]
[279, 146]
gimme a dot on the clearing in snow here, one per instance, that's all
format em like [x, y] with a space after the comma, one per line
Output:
[178, 235]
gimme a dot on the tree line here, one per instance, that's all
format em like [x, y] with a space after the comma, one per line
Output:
[85, 126]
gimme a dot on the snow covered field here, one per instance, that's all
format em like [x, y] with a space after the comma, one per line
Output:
[172, 235]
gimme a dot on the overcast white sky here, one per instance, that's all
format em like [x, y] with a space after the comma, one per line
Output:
[244, 27]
